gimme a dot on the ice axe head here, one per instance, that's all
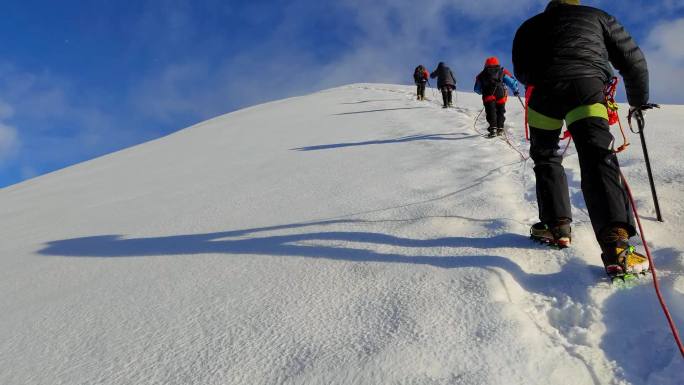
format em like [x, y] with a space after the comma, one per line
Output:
[638, 114]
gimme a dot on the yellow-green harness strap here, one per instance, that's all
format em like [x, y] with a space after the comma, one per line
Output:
[537, 120]
[542, 121]
[597, 110]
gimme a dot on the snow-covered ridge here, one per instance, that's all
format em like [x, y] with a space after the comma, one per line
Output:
[351, 236]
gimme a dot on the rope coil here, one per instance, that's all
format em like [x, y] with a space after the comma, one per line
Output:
[523, 157]
[613, 116]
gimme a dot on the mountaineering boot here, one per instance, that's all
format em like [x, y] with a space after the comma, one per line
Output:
[624, 260]
[499, 131]
[540, 232]
[492, 132]
[559, 234]
[561, 231]
[619, 257]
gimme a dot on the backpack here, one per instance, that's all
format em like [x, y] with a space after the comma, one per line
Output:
[491, 79]
[419, 74]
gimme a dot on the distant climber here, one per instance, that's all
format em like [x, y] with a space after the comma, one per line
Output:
[491, 84]
[446, 82]
[420, 77]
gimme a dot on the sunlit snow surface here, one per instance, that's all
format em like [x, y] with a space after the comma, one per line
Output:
[351, 236]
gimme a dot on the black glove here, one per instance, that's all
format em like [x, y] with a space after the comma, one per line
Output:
[516, 93]
[637, 113]
[642, 107]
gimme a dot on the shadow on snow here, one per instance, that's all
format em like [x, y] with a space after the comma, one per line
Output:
[374, 100]
[379, 110]
[573, 281]
[249, 242]
[405, 139]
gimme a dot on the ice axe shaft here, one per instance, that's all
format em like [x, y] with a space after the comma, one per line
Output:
[641, 123]
[521, 102]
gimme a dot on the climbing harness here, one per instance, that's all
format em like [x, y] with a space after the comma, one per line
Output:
[613, 116]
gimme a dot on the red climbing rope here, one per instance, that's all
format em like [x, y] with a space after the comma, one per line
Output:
[522, 156]
[528, 95]
[666, 311]
[568, 136]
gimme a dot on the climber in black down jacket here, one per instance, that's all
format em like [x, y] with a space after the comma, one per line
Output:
[564, 57]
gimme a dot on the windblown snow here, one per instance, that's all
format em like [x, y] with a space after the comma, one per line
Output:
[351, 236]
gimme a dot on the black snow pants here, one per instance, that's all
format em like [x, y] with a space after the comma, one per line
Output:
[496, 114]
[446, 95]
[420, 90]
[581, 103]
[495, 107]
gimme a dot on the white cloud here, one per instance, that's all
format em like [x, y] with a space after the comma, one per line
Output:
[6, 111]
[188, 87]
[666, 40]
[46, 124]
[27, 172]
[384, 41]
[9, 141]
[665, 54]
[387, 40]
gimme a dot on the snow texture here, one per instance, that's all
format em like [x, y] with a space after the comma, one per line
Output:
[351, 236]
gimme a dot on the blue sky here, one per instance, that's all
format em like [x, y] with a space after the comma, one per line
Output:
[79, 79]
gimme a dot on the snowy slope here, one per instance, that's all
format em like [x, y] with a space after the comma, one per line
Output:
[351, 236]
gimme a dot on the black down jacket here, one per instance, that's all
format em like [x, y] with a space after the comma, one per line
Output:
[572, 41]
[444, 76]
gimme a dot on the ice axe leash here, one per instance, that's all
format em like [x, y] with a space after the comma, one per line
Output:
[637, 114]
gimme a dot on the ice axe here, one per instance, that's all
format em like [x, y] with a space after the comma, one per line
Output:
[521, 101]
[637, 113]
